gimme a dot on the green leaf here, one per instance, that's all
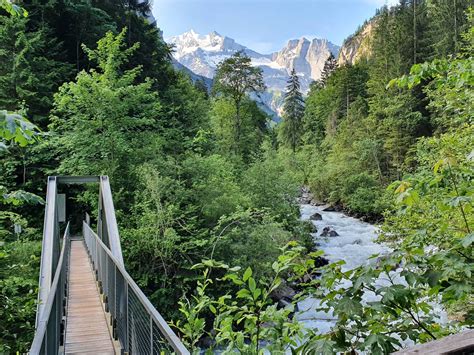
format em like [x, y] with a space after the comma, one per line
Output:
[252, 284]
[243, 293]
[247, 274]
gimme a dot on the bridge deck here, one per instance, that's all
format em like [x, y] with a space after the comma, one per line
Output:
[86, 329]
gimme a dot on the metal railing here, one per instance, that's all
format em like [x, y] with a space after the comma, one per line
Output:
[136, 324]
[49, 336]
[49, 248]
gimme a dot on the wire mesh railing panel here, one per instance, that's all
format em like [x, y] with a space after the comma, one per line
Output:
[121, 309]
[49, 331]
[102, 267]
[140, 336]
[137, 325]
[111, 284]
[160, 344]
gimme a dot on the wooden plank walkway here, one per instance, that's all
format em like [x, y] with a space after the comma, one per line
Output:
[86, 329]
[457, 344]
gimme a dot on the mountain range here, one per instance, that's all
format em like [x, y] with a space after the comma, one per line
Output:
[202, 53]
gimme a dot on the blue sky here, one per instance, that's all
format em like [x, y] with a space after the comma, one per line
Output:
[265, 25]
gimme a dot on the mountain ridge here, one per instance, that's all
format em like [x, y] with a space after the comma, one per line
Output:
[202, 53]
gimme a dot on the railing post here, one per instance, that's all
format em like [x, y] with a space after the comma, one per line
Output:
[108, 231]
[96, 261]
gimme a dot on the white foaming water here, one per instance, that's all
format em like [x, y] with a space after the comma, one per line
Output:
[355, 245]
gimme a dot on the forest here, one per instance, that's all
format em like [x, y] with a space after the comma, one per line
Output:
[206, 186]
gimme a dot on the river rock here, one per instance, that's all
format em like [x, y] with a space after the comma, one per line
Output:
[320, 261]
[283, 295]
[305, 196]
[284, 291]
[316, 217]
[329, 232]
[329, 208]
[357, 241]
[316, 202]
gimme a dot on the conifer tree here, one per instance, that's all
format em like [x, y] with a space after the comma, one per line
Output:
[29, 74]
[447, 22]
[329, 66]
[293, 111]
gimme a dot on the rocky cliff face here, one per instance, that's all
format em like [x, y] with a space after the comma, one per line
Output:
[357, 46]
[307, 57]
[202, 53]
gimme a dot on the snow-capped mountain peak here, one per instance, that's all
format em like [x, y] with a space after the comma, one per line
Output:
[190, 42]
[202, 53]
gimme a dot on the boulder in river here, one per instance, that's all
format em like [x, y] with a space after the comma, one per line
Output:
[316, 217]
[320, 261]
[329, 232]
[283, 295]
[357, 241]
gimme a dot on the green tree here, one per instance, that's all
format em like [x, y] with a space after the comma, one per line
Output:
[29, 75]
[86, 24]
[12, 9]
[329, 66]
[293, 111]
[236, 78]
[448, 22]
[253, 127]
[102, 116]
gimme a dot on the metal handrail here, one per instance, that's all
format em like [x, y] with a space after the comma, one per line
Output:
[107, 223]
[49, 248]
[51, 323]
[135, 322]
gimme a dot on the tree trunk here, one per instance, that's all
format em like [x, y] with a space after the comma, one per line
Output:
[414, 31]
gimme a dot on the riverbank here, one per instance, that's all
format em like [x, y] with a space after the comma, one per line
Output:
[307, 198]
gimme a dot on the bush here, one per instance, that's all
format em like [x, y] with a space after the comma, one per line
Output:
[362, 194]
[19, 269]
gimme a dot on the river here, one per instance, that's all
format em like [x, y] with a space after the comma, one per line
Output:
[355, 244]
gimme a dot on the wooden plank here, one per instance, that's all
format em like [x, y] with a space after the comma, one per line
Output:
[86, 330]
[461, 343]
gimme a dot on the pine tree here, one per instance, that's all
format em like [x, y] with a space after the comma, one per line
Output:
[293, 111]
[29, 74]
[329, 66]
[447, 23]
